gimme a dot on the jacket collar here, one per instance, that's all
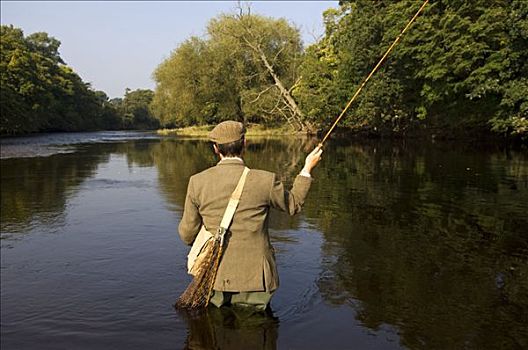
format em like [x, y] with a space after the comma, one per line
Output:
[231, 161]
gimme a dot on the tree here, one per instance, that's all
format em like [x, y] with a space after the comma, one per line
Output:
[41, 93]
[182, 96]
[461, 67]
[244, 69]
[274, 49]
[136, 104]
[20, 85]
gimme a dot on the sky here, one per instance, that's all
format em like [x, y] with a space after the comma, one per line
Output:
[118, 44]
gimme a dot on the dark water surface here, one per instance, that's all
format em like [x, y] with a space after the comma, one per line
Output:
[400, 245]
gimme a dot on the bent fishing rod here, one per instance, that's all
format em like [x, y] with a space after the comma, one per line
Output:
[380, 62]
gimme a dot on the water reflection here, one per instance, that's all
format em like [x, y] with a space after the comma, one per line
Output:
[35, 190]
[430, 239]
[231, 328]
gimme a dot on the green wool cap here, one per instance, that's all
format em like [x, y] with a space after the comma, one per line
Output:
[228, 131]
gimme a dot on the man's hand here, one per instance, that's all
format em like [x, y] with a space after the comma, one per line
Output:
[312, 159]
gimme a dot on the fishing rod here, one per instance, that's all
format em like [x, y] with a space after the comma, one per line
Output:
[372, 73]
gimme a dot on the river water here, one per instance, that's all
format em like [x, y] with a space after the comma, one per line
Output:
[400, 245]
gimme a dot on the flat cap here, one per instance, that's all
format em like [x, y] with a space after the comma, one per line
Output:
[228, 131]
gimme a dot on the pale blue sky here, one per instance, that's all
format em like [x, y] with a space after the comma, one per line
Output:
[115, 45]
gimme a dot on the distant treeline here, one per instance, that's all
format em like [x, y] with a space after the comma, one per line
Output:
[40, 93]
[462, 68]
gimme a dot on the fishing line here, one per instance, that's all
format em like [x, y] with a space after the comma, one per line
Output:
[372, 72]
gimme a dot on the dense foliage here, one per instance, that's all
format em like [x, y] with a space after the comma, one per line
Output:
[461, 68]
[39, 92]
[134, 109]
[243, 69]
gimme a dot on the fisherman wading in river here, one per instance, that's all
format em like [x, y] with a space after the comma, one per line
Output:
[246, 272]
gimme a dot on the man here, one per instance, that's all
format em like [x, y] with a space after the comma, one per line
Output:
[247, 274]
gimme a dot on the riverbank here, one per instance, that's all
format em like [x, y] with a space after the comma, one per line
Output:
[252, 130]
[434, 134]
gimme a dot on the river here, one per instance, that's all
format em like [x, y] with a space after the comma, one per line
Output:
[400, 245]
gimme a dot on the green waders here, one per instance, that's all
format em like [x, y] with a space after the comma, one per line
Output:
[258, 300]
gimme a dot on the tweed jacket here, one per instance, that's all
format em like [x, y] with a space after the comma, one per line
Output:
[248, 263]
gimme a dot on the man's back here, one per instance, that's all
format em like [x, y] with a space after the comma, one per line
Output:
[247, 273]
[248, 263]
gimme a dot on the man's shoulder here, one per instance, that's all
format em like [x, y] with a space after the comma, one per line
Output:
[204, 174]
[215, 171]
[262, 174]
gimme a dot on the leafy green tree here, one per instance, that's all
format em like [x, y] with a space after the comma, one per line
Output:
[181, 92]
[461, 67]
[41, 93]
[20, 85]
[244, 69]
[137, 111]
[270, 50]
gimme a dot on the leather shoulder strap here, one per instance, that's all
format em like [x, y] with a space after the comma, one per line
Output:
[233, 201]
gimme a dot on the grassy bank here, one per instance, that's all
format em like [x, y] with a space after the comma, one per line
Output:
[252, 130]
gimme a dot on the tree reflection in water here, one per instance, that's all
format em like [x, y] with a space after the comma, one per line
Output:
[431, 239]
[35, 190]
[428, 238]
